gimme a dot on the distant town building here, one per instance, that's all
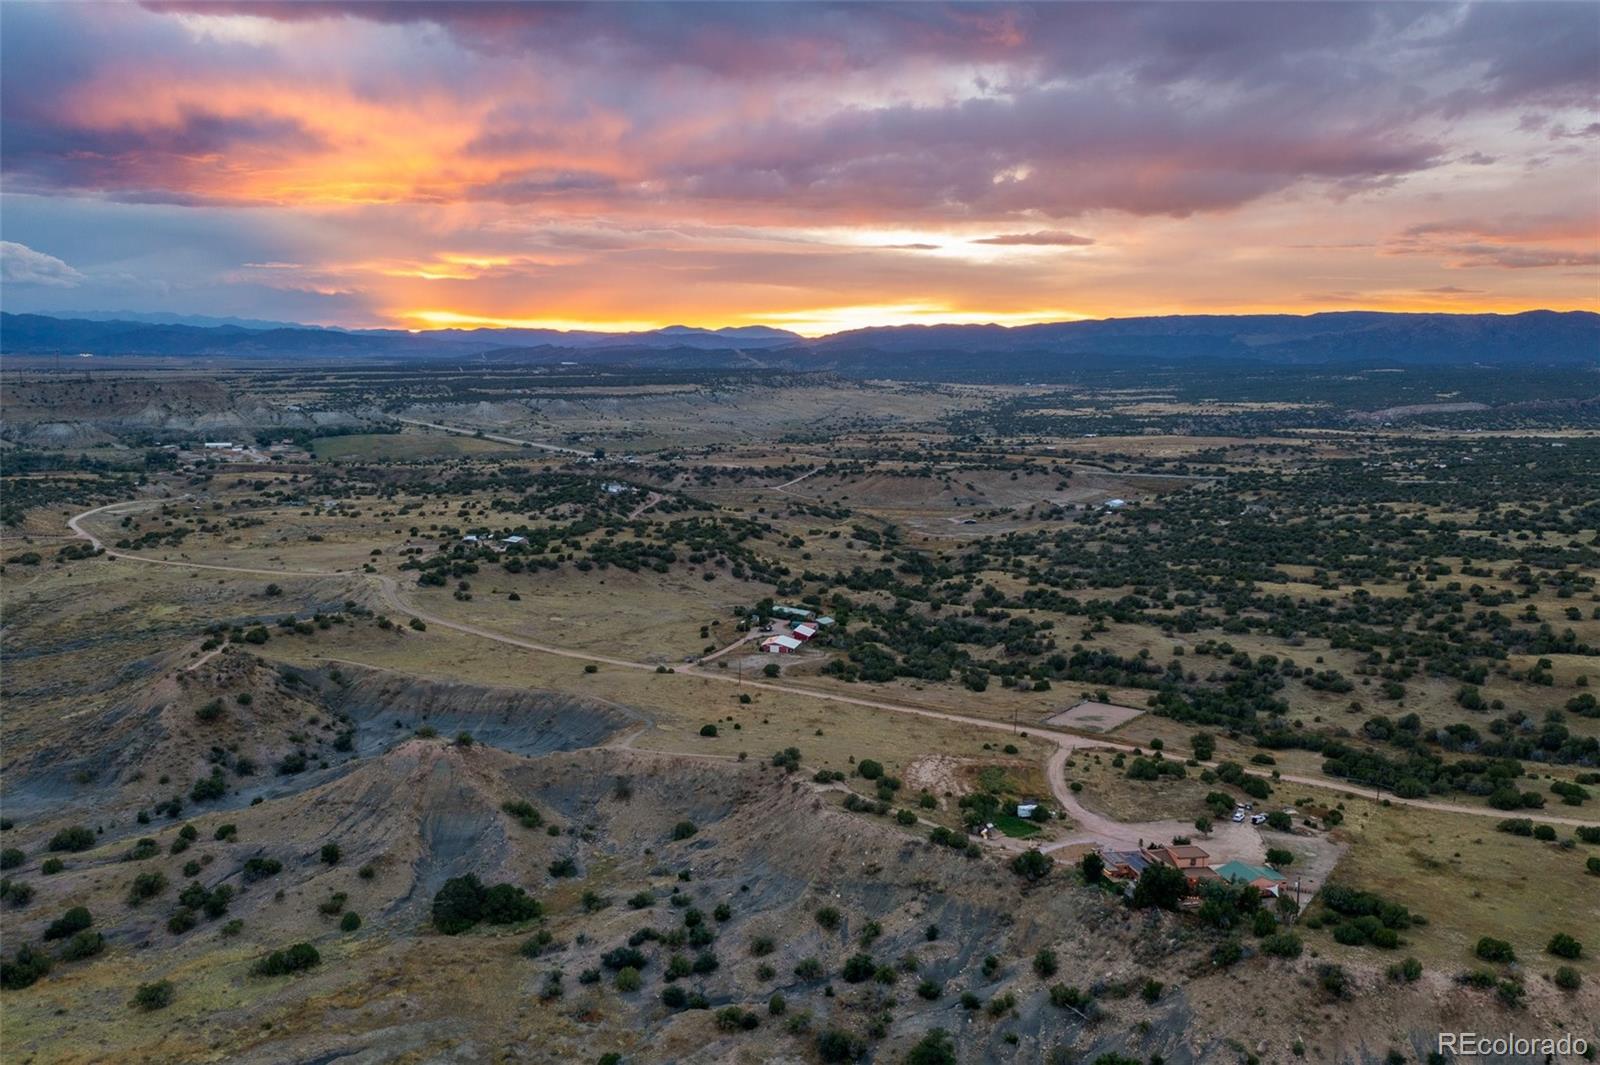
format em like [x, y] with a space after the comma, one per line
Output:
[780, 645]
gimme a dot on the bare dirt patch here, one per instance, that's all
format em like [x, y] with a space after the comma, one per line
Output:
[1093, 717]
[939, 774]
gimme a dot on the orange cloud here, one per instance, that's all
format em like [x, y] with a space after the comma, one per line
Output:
[823, 167]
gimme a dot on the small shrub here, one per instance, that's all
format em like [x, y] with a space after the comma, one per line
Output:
[298, 958]
[1227, 952]
[156, 996]
[78, 918]
[1032, 864]
[76, 838]
[1282, 945]
[24, 969]
[836, 1046]
[146, 886]
[458, 904]
[1334, 980]
[1497, 950]
[858, 967]
[83, 945]
[1408, 971]
[1561, 945]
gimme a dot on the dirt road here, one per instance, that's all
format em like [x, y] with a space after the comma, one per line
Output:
[649, 501]
[497, 439]
[1093, 827]
[784, 487]
[753, 634]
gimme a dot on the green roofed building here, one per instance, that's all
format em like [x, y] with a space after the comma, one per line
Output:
[1260, 876]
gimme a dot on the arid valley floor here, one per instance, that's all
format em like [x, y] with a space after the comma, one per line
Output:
[267, 705]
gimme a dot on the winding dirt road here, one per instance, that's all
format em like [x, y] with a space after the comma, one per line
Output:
[785, 486]
[497, 439]
[1093, 827]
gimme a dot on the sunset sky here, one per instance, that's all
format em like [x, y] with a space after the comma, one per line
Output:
[809, 166]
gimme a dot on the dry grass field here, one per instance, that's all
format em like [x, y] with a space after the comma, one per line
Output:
[402, 684]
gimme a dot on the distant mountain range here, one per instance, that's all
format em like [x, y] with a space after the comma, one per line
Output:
[1356, 337]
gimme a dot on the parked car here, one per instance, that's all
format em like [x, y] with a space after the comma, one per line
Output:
[1238, 816]
[1258, 819]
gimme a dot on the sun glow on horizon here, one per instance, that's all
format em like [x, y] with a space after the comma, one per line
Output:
[822, 321]
[438, 319]
[813, 322]
[576, 167]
